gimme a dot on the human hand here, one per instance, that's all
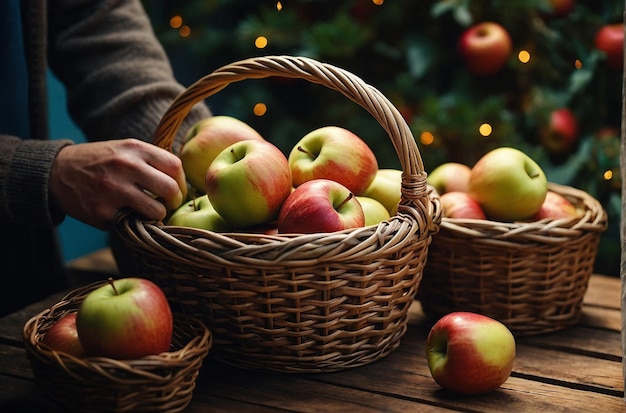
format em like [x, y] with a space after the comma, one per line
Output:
[93, 181]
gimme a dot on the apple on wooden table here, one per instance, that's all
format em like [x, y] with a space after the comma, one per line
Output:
[469, 353]
[485, 48]
[206, 139]
[320, 205]
[63, 336]
[508, 184]
[334, 153]
[248, 182]
[128, 318]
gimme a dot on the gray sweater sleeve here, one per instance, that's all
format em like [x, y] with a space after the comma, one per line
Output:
[119, 83]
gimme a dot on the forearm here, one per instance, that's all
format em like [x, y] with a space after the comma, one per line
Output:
[24, 176]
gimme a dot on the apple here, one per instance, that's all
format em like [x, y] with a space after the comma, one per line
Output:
[373, 211]
[320, 205]
[450, 177]
[334, 153]
[556, 206]
[470, 353]
[386, 188]
[485, 48]
[125, 319]
[460, 205]
[561, 132]
[248, 182]
[198, 213]
[560, 8]
[610, 39]
[508, 184]
[63, 336]
[206, 139]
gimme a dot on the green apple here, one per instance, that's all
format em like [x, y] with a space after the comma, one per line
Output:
[386, 188]
[374, 211]
[206, 139]
[320, 205]
[125, 319]
[508, 184]
[333, 153]
[470, 353]
[248, 182]
[199, 213]
[450, 177]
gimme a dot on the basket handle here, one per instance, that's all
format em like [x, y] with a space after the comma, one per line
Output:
[414, 186]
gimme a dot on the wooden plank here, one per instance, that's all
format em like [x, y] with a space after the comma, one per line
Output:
[603, 291]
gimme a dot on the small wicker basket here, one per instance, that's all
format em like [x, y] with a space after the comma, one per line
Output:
[303, 303]
[532, 276]
[159, 383]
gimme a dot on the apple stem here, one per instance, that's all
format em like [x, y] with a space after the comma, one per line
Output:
[301, 149]
[349, 197]
[110, 280]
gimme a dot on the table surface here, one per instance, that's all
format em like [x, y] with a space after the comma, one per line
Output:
[577, 369]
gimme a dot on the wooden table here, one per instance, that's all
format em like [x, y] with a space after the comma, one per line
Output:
[575, 370]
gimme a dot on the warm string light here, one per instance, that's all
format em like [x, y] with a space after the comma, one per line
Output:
[259, 109]
[427, 138]
[608, 175]
[485, 129]
[378, 2]
[260, 42]
[279, 6]
[524, 56]
[176, 22]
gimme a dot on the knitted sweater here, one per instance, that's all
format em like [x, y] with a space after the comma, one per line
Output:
[119, 83]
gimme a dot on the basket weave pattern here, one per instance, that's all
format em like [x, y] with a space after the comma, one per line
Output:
[531, 276]
[159, 383]
[295, 303]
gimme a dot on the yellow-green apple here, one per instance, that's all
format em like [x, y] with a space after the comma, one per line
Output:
[125, 319]
[470, 353]
[63, 336]
[458, 204]
[556, 206]
[248, 182]
[450, 177]
[508, 184]
[334, 153]
[374, 211]
[561, 132]
[610, 39]
[206, 139]
[386, 188]
[485, 48]
[320, 205]
[199, 213]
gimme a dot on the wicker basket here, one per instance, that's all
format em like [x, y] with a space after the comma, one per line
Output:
[531, 276]
[159, 383]
[305, 303]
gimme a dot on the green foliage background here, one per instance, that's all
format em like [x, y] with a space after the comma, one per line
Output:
[408, 50]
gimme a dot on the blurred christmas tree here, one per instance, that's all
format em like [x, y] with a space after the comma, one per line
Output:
[409, 51]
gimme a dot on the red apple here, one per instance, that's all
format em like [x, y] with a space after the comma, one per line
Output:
[320, 205]
[450, 177]
[556, 206]
[561, 133]
[62, 336]
[333, 153]
[469, 353]
[206, 139]
[461, 205]
[560, 8]
[610, 40]
[248, 182]
[485, 47]
[125, 319]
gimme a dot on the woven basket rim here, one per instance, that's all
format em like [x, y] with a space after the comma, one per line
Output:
[548, 230]
[38, 324]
